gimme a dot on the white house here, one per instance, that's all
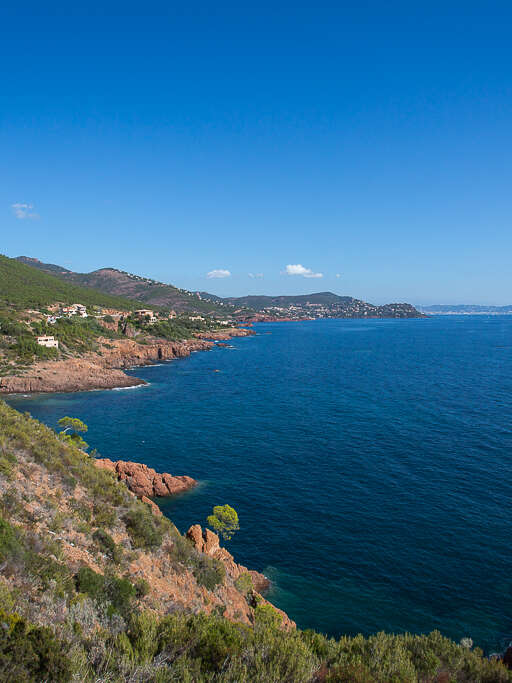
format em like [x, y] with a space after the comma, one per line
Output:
[49, 342]
[75, 309]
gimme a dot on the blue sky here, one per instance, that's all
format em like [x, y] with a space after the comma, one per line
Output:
[367, 140]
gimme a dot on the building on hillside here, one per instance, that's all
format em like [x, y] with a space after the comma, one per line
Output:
[75, 309]
[146, 313]
[49, 342]
[172, 314]
[80, 310]
[196, 317]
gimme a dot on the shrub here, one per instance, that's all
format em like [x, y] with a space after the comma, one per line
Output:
[143, 528]
[181, 550]
[118, 591]
[10, 545]
[105, 515]
[90, 582]
[108, 545]
[7, 462]
[31, 653]
[142, 588]
[208, 571]
[244, 583]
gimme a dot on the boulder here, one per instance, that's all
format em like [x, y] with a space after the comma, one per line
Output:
[145, 481]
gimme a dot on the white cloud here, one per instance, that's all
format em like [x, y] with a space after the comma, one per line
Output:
[255, 276]
[338, 274]
[22, 210]
[299, 269]
[218, 273]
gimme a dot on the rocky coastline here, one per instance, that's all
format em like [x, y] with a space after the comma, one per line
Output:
[103, 369]
[144, 482]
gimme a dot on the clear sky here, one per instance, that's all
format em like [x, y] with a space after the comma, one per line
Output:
[365, 140]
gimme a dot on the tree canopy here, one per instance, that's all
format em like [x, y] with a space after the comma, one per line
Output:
[224, 521]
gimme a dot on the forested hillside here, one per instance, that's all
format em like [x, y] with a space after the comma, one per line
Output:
[23, 286]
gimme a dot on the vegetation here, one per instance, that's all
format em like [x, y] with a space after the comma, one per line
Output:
[23, 287]
[72, 431]
[150, 292]
[64, 620]
[224, 521]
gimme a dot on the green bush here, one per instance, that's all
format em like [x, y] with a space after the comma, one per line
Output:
[10, 545]
[244, 583]
[119, 592]
[142, 588]
[144, 529]
[90, 582]
[7, 462]
[31, 653]
[208, 571]
[108, 545]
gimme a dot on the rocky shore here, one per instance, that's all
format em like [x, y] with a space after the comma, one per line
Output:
[145, 482]
[224, 335]
[104, 368]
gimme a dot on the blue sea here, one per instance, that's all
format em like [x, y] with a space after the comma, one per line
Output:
[369, 462]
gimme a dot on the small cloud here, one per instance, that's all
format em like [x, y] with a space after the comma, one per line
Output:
[338, 274]
[218, 273]
[299, 269]
[22, 210]
[255, 276]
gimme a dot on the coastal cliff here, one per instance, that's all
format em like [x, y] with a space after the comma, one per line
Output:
[103, 369]
[95, 587]
[84, 506]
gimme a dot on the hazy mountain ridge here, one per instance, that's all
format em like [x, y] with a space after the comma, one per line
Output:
[465, 309]
[321, 305]
[153, 293]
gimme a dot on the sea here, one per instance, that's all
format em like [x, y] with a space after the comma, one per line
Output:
[368, 460]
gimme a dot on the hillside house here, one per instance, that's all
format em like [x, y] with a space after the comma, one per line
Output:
[145, 313]
[75, 309]
[49, 342]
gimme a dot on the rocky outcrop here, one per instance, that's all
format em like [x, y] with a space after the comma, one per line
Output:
[207, 542]
[74, 374]
[126, 353]
[103, 369]
[99, 370]
[144, 481]
[228, 333]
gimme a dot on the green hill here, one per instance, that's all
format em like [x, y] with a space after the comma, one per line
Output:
[141, 289]
[322, 305]
[261, 302]
[23, 286]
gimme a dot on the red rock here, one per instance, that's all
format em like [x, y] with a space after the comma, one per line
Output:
[205, 541]
[195, 534]
[145, 481]
[154, 507]
[211, 542]
[106, 464]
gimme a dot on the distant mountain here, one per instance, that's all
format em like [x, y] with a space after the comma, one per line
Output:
[465, 309]
[319, 305]
[261, 302]
[145, 290]
[153, 293]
